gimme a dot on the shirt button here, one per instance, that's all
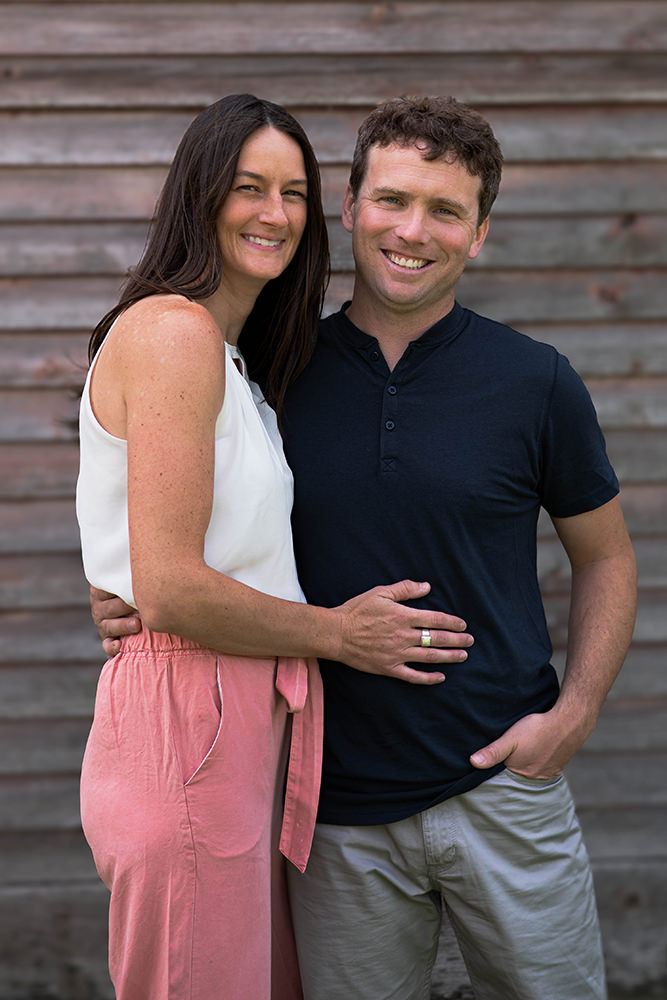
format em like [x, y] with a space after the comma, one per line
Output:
[392, 390]
[375, 356]
[389, 424]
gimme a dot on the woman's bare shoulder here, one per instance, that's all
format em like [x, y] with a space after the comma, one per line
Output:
[167, 320]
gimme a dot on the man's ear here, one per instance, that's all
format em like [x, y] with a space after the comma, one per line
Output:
[478, 241]
[348, 209]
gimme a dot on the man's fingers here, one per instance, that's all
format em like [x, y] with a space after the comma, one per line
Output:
[115, 628]
[405, 673]
[445, 638]
[439, 621]
[440, 646]
[404, 590]
[434, 655]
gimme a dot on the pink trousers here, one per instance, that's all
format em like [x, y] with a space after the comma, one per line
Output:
[189, 814]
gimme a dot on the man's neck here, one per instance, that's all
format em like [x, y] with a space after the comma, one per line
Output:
[394, 330]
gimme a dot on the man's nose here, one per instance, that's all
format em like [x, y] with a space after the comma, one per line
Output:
[411, 226]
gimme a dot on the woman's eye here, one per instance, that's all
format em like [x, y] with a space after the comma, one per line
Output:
[295, 194]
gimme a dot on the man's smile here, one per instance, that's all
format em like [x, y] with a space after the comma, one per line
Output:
[411, 263]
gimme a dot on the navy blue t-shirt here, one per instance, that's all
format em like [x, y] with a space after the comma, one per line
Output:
[435, 471]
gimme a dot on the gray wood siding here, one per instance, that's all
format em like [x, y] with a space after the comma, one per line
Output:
[93, 100]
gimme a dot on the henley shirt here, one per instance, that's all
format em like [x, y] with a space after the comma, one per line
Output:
[435, 471]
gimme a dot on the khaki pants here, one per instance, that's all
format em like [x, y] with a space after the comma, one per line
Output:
[508, 862]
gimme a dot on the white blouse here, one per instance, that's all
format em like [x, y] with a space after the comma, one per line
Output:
[249, 536]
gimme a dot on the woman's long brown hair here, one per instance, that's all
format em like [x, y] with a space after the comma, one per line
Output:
[182, 254]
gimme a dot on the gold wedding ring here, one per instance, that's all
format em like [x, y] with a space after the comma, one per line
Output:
[426, 637]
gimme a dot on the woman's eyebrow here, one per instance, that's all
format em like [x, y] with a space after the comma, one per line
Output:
[261, 177]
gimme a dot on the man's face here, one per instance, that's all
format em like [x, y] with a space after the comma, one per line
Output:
[414, 227]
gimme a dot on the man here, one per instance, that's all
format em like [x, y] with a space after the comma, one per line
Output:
[424, 439]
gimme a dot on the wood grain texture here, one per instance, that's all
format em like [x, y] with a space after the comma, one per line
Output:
[177, 81]
[608, 133]
[231, 28]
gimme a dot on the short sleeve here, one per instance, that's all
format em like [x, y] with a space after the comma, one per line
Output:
[577, 475]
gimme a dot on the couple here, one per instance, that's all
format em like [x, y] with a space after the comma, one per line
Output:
[423, 440]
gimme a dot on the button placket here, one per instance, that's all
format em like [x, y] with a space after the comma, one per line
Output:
[389, 423]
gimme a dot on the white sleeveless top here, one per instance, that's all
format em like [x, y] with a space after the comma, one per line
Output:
[249, 536]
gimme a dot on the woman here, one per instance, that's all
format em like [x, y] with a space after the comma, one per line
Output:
[184, 501]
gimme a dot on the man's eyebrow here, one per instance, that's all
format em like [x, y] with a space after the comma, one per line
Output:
[260, 177]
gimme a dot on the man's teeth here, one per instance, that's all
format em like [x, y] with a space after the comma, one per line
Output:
[260, 241]
[412, 262]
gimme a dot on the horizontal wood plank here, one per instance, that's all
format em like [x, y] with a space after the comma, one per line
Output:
[53, 360]
[310, 79]
[642, 674]
[521, 296]
[99, 29]
[28, 415]
[637, 457]
[33, 859]
[612, 349]
[84, 248]
[42, 746]
[21, 802]
[66, 691]
[47, 580]
[631, 897]
[38, 470]
[602, 780]
[38, 526]
[79, 193]
[55, 941]
[615, 835]
[555, 133]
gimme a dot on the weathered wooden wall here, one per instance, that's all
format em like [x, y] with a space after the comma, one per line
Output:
[93, 99]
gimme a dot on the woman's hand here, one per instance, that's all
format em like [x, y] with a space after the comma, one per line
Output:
[378, 635]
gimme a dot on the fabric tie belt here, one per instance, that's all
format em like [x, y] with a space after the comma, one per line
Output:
[300, 684]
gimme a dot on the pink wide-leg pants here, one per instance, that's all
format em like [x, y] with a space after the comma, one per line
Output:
[186, 808]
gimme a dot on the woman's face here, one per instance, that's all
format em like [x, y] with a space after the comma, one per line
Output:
[263, 217]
